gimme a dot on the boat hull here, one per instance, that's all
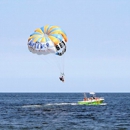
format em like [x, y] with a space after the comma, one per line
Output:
[91, 102]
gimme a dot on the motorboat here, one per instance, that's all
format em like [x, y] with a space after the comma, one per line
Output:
[92, 100]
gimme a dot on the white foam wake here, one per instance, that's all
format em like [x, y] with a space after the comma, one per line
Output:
[26, 106]
[60, 104]
[103, 104]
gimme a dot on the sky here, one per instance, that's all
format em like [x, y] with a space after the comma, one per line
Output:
[98, 48]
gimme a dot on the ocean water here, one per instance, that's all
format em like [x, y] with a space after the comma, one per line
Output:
[60, 111]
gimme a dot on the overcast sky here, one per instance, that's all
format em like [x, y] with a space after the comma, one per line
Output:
[98, 47]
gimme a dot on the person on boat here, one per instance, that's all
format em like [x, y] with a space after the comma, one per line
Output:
[93, 96]
[85, 99]
[61, 78]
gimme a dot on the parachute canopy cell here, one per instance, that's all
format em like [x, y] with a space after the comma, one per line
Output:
[48, 39]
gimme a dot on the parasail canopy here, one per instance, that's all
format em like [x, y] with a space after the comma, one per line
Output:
[48, 39]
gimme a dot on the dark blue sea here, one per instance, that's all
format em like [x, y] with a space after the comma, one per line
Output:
[60, 111]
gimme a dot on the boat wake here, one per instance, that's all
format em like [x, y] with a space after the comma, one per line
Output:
[56, 104]
[60, 104]
[103, 104]
[27, 106]
[48, 104]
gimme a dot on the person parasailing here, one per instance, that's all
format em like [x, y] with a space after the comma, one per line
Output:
[62, 77]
